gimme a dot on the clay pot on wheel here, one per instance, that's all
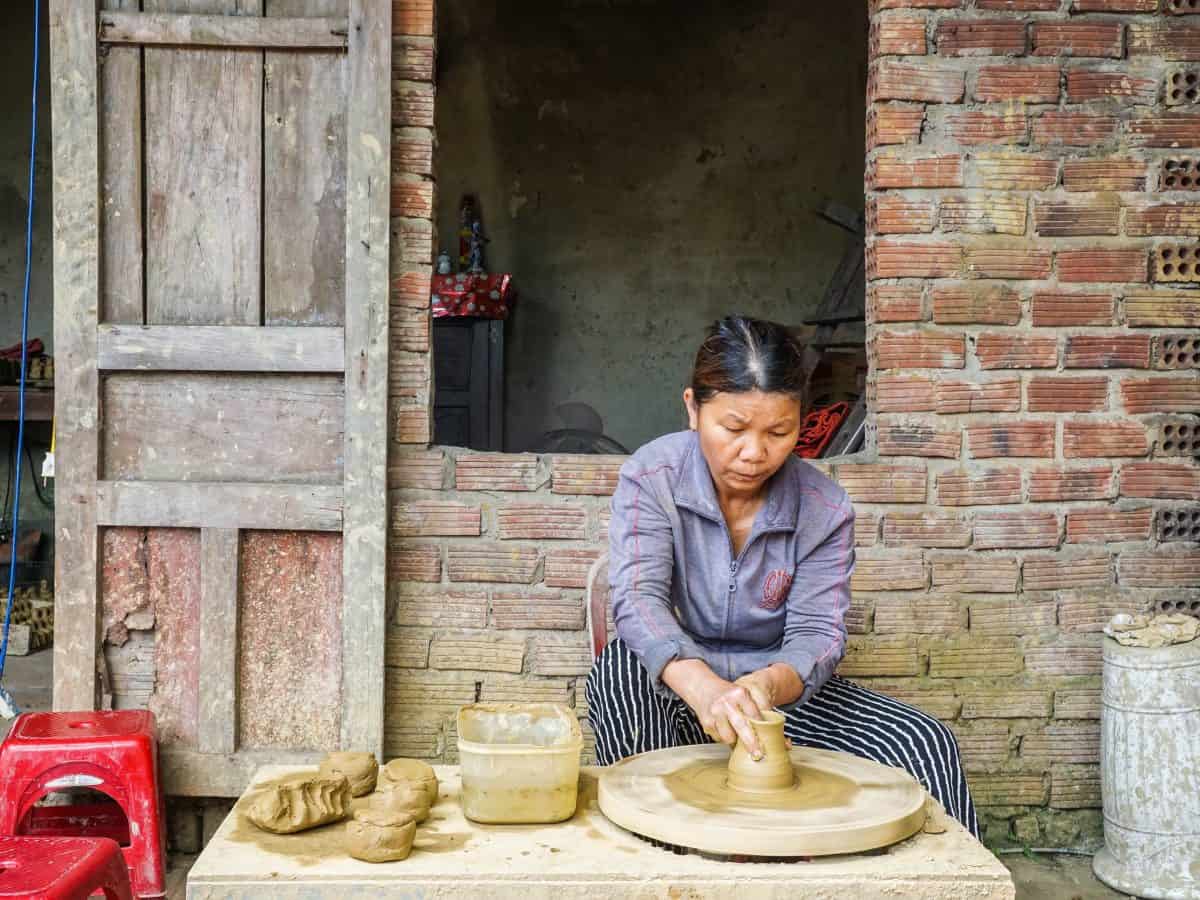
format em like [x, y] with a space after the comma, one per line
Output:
[774, 771]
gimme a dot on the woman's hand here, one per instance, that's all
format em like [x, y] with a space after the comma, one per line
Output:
[723, 708]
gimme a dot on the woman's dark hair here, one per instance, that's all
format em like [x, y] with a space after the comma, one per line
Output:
[742, 354]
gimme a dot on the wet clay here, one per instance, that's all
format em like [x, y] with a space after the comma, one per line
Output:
[403, 797]
[299, 802]
[410, 770]
[377, 836]
[773, 771]
[360, 770]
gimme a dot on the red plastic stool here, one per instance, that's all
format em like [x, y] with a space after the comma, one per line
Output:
[111, 752]
[62, 868]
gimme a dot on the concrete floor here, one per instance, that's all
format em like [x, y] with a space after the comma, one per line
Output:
[29, 679]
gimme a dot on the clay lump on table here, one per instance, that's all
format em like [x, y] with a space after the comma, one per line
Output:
[360, 770]
[299, 802]
[380, 835]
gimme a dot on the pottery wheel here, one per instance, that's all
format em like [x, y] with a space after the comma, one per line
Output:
[839, 804]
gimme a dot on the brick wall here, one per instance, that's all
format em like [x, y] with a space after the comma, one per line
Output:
[1034, 215]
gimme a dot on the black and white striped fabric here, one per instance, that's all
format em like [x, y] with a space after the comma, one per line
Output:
[629, 717]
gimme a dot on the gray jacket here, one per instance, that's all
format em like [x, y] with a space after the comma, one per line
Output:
[679, 593]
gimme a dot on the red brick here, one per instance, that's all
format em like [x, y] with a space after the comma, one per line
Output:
[894, 214]
[1048, 393]
[1064, 659]
[486, 562]
[1115, 6]
[409, 381]
[1016, 350]
[1014, 530]
[409, 329]
[1101, 526]
[919, 349]
[905, 260]
[919, 615]
[1055, 484]
[415, 562]
[1075, 129]
[993, 659]
[881, 656]
[1100, 216]
[1009, 790]
[1090, 266]
[420, 469]
[866, 528]
[497, 472]
[411, 425]
[890, 570]
[925, 529]
[894, 123]
[1054, 573]
[1087, 612]
[413, 17]
[412, 58]
[903, 393]
[1028, 84]
[1011, 439]
[412, 153]
[1104, 175]
[975, 128]
[411, 288]
[1094, 439]
[1172, 41]
[1172, 568]
[1019, 5]
[941, 704]
[1014, 172]
[412, 197]
[1096, 351]
[1001, 395]
[412, 104]
[413, 240]
[1011, 617]
[967, 304]
[1161, 481]
[979, 37]
[429, 518]
[1182, 219]
[860, 616]
[919, 440]
[585, 474]
[1057, 744]
[480, 654]
[569, 568]
[895, 302]
[917, 4]
[927, 83]
[1165, 394]
[982, 573]
[1076, 787]
[898, 36]
[1163, 309]
[995, 214]
[1018, 262]
[883, 483]
[426, 608]
[1080, 703]
[406, 652]
[993, 487]
[1104, 39]
[536, 609]
[885, 172]
[1054, 310]
[1085, 85]
[542, 521]
[1006, 704]
[1182, 130]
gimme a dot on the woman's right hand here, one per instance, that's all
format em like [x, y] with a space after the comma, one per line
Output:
[723, 708]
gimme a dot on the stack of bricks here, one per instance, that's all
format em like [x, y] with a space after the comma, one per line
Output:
[1033, 203]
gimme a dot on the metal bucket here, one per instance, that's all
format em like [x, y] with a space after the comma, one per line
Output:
[1150, 770]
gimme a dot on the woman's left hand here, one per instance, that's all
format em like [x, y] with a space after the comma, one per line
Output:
[760, 687]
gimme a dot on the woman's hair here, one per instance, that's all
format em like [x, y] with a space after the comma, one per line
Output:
[742, 354]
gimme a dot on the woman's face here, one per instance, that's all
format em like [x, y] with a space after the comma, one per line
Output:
[745, 437]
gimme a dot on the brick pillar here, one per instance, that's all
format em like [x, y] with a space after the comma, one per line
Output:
[1032, 304]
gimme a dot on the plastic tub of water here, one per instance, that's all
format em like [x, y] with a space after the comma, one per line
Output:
[519, 762]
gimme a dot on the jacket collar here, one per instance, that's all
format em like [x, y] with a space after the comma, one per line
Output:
[695, 491]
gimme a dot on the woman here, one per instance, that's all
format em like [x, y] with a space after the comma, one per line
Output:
[730, 562]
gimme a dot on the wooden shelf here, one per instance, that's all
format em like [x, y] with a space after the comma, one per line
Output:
[39, 403]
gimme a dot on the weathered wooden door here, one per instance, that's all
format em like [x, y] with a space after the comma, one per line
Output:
[221, 173]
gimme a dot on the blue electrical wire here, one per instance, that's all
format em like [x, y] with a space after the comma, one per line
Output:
[16, 515]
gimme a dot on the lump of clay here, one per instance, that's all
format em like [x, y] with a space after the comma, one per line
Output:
[413, 770]
[404, 797]
[360, 770]
[380, 836]
[297, 802]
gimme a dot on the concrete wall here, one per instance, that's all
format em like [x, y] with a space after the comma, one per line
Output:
[644, 168]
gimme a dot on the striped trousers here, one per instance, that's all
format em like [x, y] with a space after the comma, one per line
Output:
[629, 717]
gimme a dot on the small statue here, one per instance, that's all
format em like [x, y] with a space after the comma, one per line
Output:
[444, 264]
[476, 264]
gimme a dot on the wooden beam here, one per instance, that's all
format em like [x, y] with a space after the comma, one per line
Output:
[75, 113]
[245, 505]
[368, 142]
[181, 29]
[220, 348]
[186, 773]
[219, 566]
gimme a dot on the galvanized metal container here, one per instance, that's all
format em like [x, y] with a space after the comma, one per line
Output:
[1150, 770]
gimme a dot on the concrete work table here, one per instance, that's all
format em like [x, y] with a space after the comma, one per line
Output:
[585, 857]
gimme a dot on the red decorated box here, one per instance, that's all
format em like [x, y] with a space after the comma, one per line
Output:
[483, 296]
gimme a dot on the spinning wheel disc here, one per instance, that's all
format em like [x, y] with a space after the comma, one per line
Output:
[840, 803]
